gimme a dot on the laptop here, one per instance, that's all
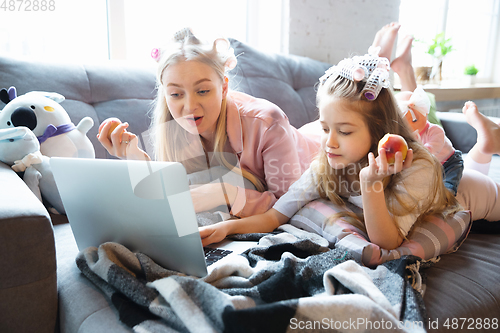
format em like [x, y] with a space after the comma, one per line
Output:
[146, 206]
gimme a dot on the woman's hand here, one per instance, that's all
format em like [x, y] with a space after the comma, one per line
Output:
[123, 144]
[213, 233]
[372, 175]
[209, 196]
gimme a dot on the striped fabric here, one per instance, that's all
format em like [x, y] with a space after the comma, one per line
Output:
[290, 282]
[428, 240]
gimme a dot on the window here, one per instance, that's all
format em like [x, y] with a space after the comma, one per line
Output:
[473, 27]
[150, 23]
[90, 30]
[71, 30]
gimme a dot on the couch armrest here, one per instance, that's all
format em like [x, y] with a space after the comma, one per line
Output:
[461, 134]
[28, 281]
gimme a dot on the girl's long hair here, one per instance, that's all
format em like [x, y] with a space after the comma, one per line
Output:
[170, 141]
[381, 116]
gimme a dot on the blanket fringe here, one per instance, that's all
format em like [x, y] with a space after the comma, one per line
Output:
[415, 277]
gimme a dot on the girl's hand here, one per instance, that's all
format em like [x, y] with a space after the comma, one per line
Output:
[209, 196]
[266, 222]
[379, 222]
[372, 175]
[123, 144]
[213, 233]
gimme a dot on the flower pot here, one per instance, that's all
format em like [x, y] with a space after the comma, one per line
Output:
[470, 80]
[437, 70]
[423, 74]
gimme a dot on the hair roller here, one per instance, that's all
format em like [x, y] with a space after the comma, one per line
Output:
[376, 81]
[370, 68]
[353, 71]
[183, 34]
[224, 49]
[370, 63]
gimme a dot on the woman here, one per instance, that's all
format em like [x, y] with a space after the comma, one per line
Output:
[197, 121]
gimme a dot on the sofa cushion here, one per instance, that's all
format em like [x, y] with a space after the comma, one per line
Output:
[286, 80]
[461, 134]
[28, 284]
[432, 116]
[82, 306]
[465, 284]
[463, 137]
[97, 90]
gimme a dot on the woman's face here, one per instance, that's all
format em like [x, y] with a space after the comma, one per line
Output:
[194, 94]
[345, 138]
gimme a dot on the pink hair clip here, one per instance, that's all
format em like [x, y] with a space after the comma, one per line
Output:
[155, 54]
[231, 61]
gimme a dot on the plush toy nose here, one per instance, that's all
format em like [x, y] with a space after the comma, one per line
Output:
[23, 116]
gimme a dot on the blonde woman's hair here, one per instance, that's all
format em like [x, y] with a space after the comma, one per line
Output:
[381, 116]
[170, 141]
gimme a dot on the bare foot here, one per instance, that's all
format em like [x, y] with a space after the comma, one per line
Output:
[385, 38]
[488, 133]
[403, 67]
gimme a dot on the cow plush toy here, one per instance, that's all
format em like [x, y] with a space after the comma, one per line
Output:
[48, 120]
[35, 127]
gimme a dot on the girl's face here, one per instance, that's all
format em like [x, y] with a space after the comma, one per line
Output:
[345, 137]
[194, 94]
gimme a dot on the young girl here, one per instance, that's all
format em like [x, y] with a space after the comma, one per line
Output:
[488, 139]
[468, 179]
[197, 121]
[415, 107]
[476, 191]
[349, 166]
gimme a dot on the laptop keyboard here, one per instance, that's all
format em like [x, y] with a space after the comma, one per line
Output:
[213, 254]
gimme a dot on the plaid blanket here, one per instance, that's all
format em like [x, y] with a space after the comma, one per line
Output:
[290, 282]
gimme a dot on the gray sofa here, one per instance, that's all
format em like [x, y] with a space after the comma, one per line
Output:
[42, 290]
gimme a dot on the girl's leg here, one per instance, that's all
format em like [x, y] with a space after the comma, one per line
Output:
[470, 162]
[401, 65]
[488, 133]
[488, 139]
[479, 194]
[385, 38]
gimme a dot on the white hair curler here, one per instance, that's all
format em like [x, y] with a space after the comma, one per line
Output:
[370, 68]
[377, 80]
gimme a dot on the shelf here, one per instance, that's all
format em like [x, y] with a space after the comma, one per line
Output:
[451, 93]
[455, 92]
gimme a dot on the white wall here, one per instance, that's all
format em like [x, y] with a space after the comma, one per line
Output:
[495, 76]
[330, 30]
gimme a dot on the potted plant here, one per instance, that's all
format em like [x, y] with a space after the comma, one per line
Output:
[471, 72]
[438, 49]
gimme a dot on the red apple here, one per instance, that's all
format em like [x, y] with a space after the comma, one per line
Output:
[393, 143]
[114, 123]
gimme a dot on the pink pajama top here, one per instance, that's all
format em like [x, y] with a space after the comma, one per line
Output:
[433, 138]
[268, 147]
